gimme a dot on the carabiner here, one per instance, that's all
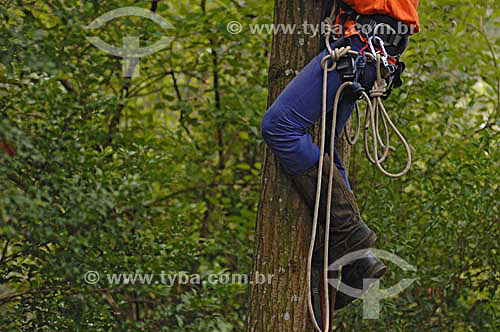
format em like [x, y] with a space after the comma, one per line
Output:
[384, 52]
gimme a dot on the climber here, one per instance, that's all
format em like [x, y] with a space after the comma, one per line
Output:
[285, 125]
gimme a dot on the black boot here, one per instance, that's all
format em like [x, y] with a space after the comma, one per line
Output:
[348, 232]
[354, 274]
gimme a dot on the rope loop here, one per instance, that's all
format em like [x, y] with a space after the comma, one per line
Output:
[338, 53]
[378, 89]
[335, 55]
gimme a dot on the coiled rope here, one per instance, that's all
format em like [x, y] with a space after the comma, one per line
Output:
[374, 109]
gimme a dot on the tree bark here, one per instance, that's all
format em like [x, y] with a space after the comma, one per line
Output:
[283, 220]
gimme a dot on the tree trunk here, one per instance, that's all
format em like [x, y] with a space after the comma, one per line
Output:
[284, 221]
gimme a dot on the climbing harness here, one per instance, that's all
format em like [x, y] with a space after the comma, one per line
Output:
[375, 110]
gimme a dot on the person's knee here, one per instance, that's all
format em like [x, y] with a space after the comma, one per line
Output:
[277, 129]
[268, 126]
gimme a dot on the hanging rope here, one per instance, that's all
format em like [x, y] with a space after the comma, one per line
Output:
[374, 110]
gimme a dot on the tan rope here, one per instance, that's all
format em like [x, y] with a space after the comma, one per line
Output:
[335, 54]
[354, 139]
[374, 111]
[375, 107]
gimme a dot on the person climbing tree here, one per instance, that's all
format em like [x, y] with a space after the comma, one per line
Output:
[380, 28]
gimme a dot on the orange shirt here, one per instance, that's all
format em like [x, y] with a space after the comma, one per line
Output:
[401, 10]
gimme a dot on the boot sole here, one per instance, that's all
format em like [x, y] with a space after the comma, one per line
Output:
[377, 271]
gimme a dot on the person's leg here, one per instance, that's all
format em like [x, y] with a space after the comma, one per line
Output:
[284, 129]
[298, 107]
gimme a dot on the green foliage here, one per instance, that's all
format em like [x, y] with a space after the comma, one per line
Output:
[443, 217]
[120, 175]
[160, 172]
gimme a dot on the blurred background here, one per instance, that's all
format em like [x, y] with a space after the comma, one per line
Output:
[160, 172]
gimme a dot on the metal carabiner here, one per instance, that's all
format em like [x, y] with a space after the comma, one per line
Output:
[384, 56]
[374, 52]
[370, 44]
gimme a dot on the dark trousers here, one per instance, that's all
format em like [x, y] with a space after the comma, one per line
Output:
[298, 107]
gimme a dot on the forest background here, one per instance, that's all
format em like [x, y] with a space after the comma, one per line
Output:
[160, 172]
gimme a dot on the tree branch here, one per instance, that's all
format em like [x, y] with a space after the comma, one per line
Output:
[4, 251]
[215, 72]
[67, 85]
[115, 120]
[14, 178]
[154, 5]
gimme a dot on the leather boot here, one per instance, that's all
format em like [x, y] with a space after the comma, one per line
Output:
[348, 232]
[354, 274]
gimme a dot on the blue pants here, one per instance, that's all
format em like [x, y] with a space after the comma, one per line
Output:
[285, 124]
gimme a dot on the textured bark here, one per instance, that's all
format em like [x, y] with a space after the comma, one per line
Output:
[283, 221]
